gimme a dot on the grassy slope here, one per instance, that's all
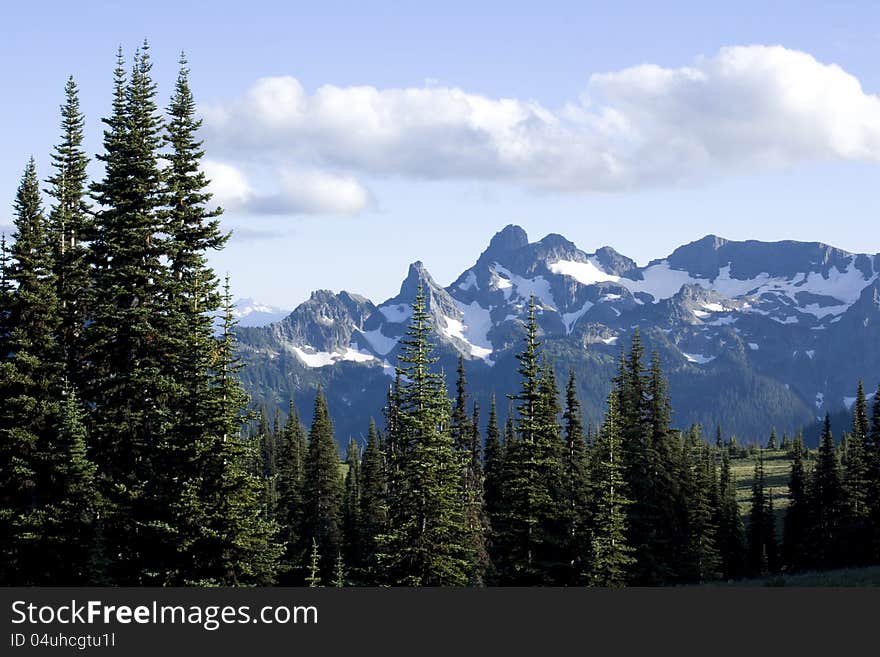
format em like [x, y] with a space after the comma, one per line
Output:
[777, 468]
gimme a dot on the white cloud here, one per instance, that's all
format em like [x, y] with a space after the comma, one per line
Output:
[744, 108]
[297, 191]
[228, 185]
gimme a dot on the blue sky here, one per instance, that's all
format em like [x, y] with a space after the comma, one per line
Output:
[348, 139]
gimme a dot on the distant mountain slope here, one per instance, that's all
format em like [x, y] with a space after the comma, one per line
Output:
[752, 334]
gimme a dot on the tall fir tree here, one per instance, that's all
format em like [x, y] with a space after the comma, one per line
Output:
[230, 541]
[351, 500]
[6, 298]
[873, 450]
[702, 560]
[857, 530]
[576, 488]
[731, 532]
[292, 449]
[761, 536]
[827, 502]
[611, 557]
[323, 490]
[427, 539]
[796, 528]
[528, 545]
[69, 225]
[373, 508]
[30, 386]
[130, 385]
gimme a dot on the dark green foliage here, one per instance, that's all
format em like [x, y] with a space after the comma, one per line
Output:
[492, 466]
[702, 560]
[30, 387]
[351, 500]
[576, 489]
[828, 499]
[731, 532]
[129, 343]
[761, 528]
[292, 448]
[225, 537]
[529, 540]
[322, 491]
[373, 509]
[68, 549]
[873, 451]
[611, 557]
[856, 530]
[427, 540]
[69, 224]
[796, 532]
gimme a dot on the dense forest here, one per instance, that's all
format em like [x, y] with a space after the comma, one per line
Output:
[130, 455]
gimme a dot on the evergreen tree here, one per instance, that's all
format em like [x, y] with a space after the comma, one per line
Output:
[611, 555]
[856, 486]
[351, 497]
[702, 559]
[492, 466]
[69, 223]
[797, 517]
[323, 490]
[6, 299]
[665, 507]
[528, 545]
[267, 467]
[477, 522]
[29, 386]
[373, 509]
[225, 539]
[339, 573]
[772, 441]
[827, 498]
[68, 550]
[576, 487]
[873, 451]
[638, 457]
[760, 531]
[130, 385]
[427, 542]
[731, 533]
[460, 427]
[292, 450]
[314, 577]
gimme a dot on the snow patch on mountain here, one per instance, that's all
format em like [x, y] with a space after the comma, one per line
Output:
[570, 319]
[700, 359]
[660, 281]
[396, 313]
[524, 288]
[472, 329]
[586, 273]
[323, 358]
[380, 343]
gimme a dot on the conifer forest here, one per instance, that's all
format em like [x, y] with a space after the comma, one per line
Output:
[131, 455]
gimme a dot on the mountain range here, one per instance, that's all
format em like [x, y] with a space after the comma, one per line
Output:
[751, 334]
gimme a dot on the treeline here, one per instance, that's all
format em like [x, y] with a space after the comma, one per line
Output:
[128, 455]
[439, 497]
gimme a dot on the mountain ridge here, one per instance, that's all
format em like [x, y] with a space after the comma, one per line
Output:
[764, 320]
